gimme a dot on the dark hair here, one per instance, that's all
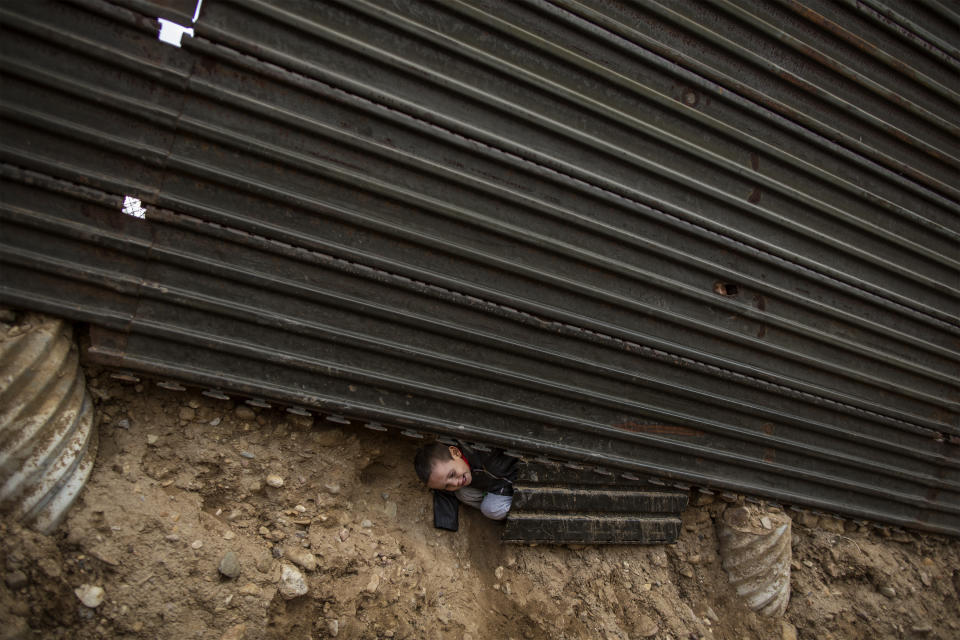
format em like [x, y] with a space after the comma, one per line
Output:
[427, 456]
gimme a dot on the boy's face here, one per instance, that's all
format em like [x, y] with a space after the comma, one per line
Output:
[450, 475]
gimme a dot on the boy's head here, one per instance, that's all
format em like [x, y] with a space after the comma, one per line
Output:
[442, 467]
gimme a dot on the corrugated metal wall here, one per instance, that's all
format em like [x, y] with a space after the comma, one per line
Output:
[711, 242]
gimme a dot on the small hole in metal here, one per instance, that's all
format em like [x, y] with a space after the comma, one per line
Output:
[726, 289]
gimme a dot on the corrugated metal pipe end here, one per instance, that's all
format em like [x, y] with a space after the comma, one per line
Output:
[48, 439]
[755, 551]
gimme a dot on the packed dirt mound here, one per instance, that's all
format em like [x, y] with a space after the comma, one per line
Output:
[205, 518]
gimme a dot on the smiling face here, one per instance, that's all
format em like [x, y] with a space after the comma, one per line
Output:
[450, 475]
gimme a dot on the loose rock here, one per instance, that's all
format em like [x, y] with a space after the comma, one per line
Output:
[274, 480]
[301, 557]
[787, 631]
[646, 627]
[333, 628]
[888, 591]
[152, 439]
[90, 595]
[16, 579]
[390, 508]
[244, 412]
[236, 632]
[249, 589]
[292, 582]
[187, 414]
[229, 565]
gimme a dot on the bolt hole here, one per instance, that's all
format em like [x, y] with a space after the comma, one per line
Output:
[726, 289]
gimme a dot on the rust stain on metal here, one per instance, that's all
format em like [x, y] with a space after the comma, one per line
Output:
[658, 429]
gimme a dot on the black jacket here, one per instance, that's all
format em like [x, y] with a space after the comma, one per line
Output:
[491, 472]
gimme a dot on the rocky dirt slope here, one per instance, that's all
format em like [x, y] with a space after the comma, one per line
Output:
[187, 488]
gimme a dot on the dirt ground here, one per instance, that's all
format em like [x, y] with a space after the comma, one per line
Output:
[182, 479]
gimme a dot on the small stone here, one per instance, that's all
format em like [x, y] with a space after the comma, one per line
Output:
[152, 439]
[366, 524]
[216, 421]
[833, 525]
[90, 595]
[646, 586]
[373, 585]
[244, 412]
[922, 628]
[247, 454]
[236, 632]
[333, 488]
[123, 423]
[925, 579]
[712, 615]
[694, 559]
[807, 519]
[187, 413]
[888, 591]
[498, 572]
[301, 557]
[787, 631]
[333, 628]
[16, 579]
[300, 508]
[766, 523]
[275, 481]
[687, 571]
[292, 582]
[229, 535]
[229, 565]
[344, 534]
[249, 589]
[171, 537]
[15, 628]
[264, 562]
[646, 627]
[196, 544]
